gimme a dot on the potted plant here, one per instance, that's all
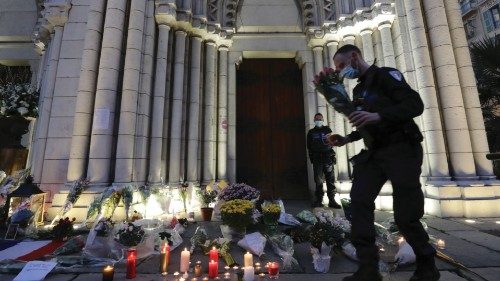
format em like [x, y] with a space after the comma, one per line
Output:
[207, 196]
[236, 216]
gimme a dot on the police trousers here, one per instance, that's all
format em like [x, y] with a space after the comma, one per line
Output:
[401, 164]
[323, 171]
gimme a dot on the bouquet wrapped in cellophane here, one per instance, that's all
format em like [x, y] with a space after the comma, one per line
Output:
[330, 84]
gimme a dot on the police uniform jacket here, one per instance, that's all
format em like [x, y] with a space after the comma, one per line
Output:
[317, 146]
[385, 91]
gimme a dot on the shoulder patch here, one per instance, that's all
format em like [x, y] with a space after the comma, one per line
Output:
[396, 74]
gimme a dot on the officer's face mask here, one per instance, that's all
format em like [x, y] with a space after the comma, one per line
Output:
[318, 123]
[350, 72]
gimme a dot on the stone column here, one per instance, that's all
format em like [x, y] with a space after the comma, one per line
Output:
[387, 44]
[320, 100]
[144, 112]
[155, 150]
[124, 167]
[445, 69]
[470, 95]
[82, 124]
[57, 15]
[222, 113]
[233, 60]
[366, 37]
[338, 128]
[194, 110]
[176, 121]
[101, 142]
[209, 118]
[431, 118]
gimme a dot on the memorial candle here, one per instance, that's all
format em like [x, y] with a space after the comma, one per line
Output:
[248, 258]
[213, 269]
[213, 255]
[131, 262]
[185, 255]
[164, 258]
[107, 273]
[197, 269]
[248, 273]
[273, 270]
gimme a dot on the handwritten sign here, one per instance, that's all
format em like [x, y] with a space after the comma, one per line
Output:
[35, 271]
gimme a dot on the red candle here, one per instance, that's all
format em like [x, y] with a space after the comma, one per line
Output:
[131, 259]
[213, 255]
[273, 269]
[213, 269]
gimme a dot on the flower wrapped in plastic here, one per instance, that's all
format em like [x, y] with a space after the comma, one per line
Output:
[285, 218]
[321, 258]
[330, 84]
[73, 246]
[283, 246]
[253, 243]
[127, 197]
[130, 235]
[271, 212]
[75, 191]
[199, 238]
[223, 245]
[307, 217]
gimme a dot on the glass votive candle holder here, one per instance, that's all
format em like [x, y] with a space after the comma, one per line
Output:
[273, 269]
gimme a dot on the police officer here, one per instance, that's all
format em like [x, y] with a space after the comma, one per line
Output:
[322, 157]
[394, 153]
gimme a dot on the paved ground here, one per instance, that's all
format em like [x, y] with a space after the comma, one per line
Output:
[474, 244]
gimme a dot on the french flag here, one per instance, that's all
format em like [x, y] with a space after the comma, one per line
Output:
[27, 251]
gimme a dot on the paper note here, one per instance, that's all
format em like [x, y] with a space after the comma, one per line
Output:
[35, 271]
[101, 118]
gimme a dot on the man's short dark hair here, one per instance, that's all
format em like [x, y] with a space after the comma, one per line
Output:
[346, 49]
[318, 114]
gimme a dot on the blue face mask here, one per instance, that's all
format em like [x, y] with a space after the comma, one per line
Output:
[318, 123]
[349, 72]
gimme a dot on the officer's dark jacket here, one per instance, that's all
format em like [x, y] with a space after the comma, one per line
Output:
[385, 91]
[316, 141]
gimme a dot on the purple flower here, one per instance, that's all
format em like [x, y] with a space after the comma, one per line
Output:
[239, 191]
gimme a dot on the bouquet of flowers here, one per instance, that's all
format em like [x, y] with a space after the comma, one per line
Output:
[239, 191]
[127, 197]
[104, 227]
[74, 193]
[129, 235]
[237, 213]
[73, 246]
[18, 99]
[283, 246]
[183, 192]
[271, 213]
[330, 84]
[207, 196]
[63, 228]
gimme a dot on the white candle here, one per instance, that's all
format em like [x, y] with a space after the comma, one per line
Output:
[248, 259]
[185, 255]
[248, 273]
[441, 244]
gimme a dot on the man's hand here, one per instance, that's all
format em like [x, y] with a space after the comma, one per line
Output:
[360, 119]
[336, 140]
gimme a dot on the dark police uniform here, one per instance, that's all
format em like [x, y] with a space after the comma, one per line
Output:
[322, 157]
[394, 154]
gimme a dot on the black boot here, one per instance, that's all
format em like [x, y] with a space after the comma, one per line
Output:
[426, 270]
[331, 201]
[365, 273]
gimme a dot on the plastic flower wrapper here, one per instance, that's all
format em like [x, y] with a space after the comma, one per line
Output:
[254, 243]
[127, 197]
[307, 217]
[405, 254]
[330, 84]
[385, 234]
[223, 245]
[73, 246]
[104, 227]
[321, 258]
[199, 238]
[349, 250]
[283, 246]
[285, 218]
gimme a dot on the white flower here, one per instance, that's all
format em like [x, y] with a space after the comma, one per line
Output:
[22, 110]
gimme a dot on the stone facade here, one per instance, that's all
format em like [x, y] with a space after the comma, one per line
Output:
[145, 91]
